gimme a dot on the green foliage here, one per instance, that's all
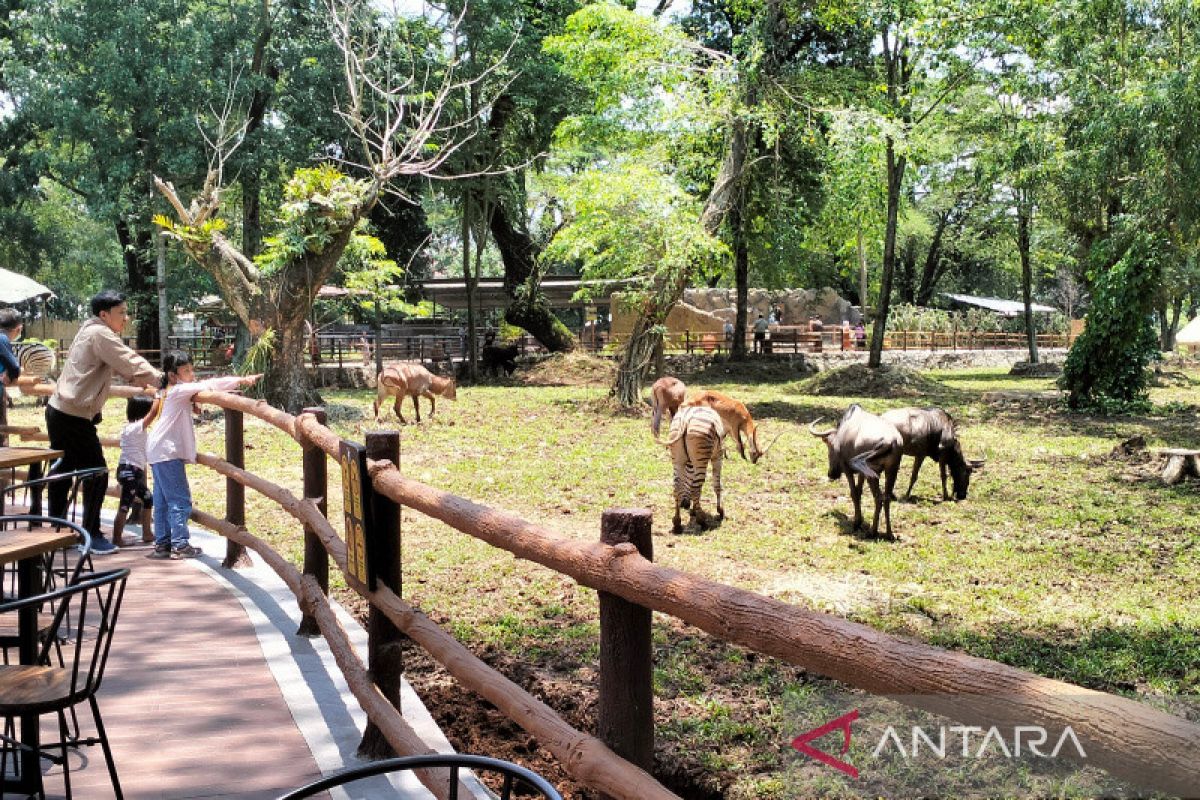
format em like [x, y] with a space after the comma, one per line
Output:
[1106, 368]
[317, 204]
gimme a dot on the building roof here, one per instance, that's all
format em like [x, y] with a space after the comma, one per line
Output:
[1190, 333]
[1006, 308]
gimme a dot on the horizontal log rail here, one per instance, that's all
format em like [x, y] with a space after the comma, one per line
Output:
[1131, 740]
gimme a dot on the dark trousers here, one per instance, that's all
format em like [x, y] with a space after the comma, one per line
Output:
[80, 443]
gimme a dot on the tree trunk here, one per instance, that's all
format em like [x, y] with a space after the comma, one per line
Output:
[895, 179]
[863, 287]
[140, 271]
[636, 360]
[1168, 322]
[1024, 223]
[285, 382]
[930, 272]
[472, 282]
[741, 262]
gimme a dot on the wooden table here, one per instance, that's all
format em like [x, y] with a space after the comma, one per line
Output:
[25, 546]
[32, 457]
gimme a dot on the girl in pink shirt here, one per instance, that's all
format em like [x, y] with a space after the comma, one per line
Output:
[171, 445]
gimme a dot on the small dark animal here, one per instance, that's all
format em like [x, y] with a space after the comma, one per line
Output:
[929, 433]
[863, 446]
[493, 358]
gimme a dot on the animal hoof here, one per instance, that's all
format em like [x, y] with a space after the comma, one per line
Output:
[685, 502]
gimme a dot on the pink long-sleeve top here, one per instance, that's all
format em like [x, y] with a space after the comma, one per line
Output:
[173, 436]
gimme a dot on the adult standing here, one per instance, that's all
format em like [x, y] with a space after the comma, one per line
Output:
[761, 326]
[10, 330]
[78, 400]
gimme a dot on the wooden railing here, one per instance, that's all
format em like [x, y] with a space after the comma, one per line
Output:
[1131, 740]
[798, 339]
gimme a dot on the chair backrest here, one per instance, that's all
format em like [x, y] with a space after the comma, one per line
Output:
[67, 570]
[513, 777]
[75, 480]
[80, 633]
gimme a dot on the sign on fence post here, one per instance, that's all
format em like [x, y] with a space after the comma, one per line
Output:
[356, 502]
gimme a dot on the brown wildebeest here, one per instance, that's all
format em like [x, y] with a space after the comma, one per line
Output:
[862, 446]
[411, 380]
[930, 433]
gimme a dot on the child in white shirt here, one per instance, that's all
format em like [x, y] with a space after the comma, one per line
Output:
[131, 471]
[171, 445]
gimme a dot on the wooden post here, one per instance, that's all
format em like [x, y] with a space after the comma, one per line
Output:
[316, 488]
[235, 493]
[385, 641]
[625, 713]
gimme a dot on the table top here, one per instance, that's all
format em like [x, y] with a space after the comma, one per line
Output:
[23, 456]
[20, 543]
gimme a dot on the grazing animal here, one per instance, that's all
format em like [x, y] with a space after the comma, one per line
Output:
[864, 445]
[36, 359]
[493, 358]
[929, 433]
[412, 380]
[666, 396]
[736, 419]
[695, 442]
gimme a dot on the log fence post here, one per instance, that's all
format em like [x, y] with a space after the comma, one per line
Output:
[384, 639]
[625, 713]
[316, 488]
[235, 493]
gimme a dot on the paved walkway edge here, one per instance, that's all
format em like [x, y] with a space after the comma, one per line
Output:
[325, 711]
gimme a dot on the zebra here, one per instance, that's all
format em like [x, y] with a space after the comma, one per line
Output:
[695, 442]
[36, 361]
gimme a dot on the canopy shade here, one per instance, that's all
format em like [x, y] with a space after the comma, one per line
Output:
[1005, 308]
[16, 288]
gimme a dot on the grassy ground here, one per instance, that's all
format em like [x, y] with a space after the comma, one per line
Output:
[1065, 560]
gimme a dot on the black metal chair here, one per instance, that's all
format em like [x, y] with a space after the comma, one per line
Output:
[513, 776]
[31, 491]
[58, 568]
[68, 671]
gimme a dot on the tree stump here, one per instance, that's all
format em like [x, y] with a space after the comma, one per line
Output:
[1180, 463]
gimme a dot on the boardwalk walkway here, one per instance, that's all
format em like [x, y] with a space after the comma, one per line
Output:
[208, 694]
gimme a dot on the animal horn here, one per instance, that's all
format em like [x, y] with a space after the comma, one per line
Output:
[813, 430]
[770, 444]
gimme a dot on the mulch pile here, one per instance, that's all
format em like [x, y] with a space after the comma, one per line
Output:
[568, 369]
[859, 380]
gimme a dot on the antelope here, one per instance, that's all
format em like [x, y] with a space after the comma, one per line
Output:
[667, 395]
[930, 433]
[695, 442]
[736, 419]
[411, 380]
[868, 445]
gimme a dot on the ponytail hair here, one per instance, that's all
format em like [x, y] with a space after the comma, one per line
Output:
[172, 361]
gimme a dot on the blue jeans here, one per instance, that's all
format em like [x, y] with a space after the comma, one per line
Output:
[172, 503]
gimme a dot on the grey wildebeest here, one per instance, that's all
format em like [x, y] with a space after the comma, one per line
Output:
[864, 446]
[930, 433]
[695, 442]
[736, 419]
[411, 380]
[666, 396]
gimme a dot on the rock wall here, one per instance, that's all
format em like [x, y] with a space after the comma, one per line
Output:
[799, 305]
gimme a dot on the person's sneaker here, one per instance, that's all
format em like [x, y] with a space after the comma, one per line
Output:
[103, 547]
[160, 551]
[187, 551]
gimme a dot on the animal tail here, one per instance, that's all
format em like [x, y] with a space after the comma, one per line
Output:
[860, 463]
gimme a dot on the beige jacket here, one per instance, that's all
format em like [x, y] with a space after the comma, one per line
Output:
[96, 354]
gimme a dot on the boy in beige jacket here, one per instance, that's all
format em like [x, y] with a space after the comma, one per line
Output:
[74, 410]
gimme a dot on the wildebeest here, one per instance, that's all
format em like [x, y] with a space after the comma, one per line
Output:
[736, 419]
[863, 446]
[666, 396]
[930, 433]
[411, 380]
[695, 442]
[494, 358]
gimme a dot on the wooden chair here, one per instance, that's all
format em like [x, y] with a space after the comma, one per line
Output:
[512, 776]
[67, 675]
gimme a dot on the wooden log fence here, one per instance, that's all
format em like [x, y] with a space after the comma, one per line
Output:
[1131, 740]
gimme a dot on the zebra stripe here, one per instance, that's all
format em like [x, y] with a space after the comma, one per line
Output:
[36, 360]
[695, 442]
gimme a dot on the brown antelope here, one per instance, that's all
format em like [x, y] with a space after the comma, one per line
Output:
[695, 442]
[736, 419]
[411, 380]
[666, 395]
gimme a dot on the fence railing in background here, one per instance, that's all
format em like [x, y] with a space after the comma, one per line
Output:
[1128, 738]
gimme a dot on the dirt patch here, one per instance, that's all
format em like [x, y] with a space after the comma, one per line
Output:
[1043, 369]
[859, 380]
[568, 369]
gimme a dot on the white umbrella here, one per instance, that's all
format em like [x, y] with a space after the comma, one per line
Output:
[16, 288]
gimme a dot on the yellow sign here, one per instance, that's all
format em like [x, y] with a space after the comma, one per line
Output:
[356, 508]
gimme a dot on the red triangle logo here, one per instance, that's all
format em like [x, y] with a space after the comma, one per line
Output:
[801, 743]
